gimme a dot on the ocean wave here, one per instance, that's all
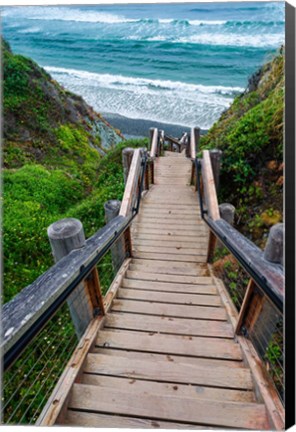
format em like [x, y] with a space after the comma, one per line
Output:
[140, 98]
[266, 40]
[109, 80]
[64, 13]
[30, 30]
[206, 22]
[67, 14]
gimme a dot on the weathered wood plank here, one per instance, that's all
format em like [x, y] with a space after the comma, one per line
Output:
[173, 270]
[192, 280]
[169, 287]
[170, 344]
[209, 186]
[89, 419]
[131, 185]
[165, 297]
[176, 359]
[196, 230]
[167, 389]
[191, 211]
[201, 244]
[181, 311]
[185, 373]
[172, 257]
[192, 218]
[169, 325]
[214, 413]
[161, 224]
[154, 143]
[171, 264]
[170, 250]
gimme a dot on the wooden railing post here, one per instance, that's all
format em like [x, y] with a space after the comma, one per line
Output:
[154, 140]
[216, 157]
[227, 212]
[64, 236]
[118, 253]
[127, 156]
[274, 249]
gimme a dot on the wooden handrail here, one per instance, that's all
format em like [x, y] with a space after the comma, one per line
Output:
[28, 311]
[209, 186]
[131, 185]
[269, 277]
[154, 143]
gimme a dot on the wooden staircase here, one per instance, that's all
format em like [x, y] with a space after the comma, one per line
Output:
[165, 355]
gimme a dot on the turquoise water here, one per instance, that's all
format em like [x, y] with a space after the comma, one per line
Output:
[175, 63]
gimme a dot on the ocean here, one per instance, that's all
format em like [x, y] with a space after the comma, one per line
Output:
[173, 63]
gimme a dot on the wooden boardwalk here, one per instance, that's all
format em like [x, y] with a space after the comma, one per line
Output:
[166, 356]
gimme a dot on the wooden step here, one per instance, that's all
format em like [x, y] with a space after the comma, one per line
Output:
[198, 244]
[169, 298]
[171, 264]
[201, 271]
[161, 309]
[198, 230]
[193, 410]
[169, 287]
[171, 250]
[169, 325]
[95, 420]
[166, 389]
[157, 238]
[172, 257]
[192, 280]
[170, 344]
[237, 378]
[172, 227]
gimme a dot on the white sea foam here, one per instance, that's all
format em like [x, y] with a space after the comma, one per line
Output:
[206, 22]
[30, 30]
[140, 98]
[116, 81]
[266, 40]
[67, 14]
[165, 20]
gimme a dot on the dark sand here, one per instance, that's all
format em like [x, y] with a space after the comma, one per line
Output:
[140, 128]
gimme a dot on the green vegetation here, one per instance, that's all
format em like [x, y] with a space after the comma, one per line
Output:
[55, 166]
[250, 134]
[36, 196]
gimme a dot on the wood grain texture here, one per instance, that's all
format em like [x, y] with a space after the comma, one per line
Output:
[169, 287]
[176, 326]
[176, 359]
[238, 378]
[167, 389]
[165, 297]
[181, 311]
[88, 419]
[209, 186]
[192, 280]
[131, 185]
[170, 257]
[214, 413]
[170, 344]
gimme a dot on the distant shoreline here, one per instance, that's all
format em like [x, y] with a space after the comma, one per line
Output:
[135, 128]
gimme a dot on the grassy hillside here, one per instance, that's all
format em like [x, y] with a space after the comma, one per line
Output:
[250, 134]
[60, 159]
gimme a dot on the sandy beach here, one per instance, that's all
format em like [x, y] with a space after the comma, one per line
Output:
[140, 128]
